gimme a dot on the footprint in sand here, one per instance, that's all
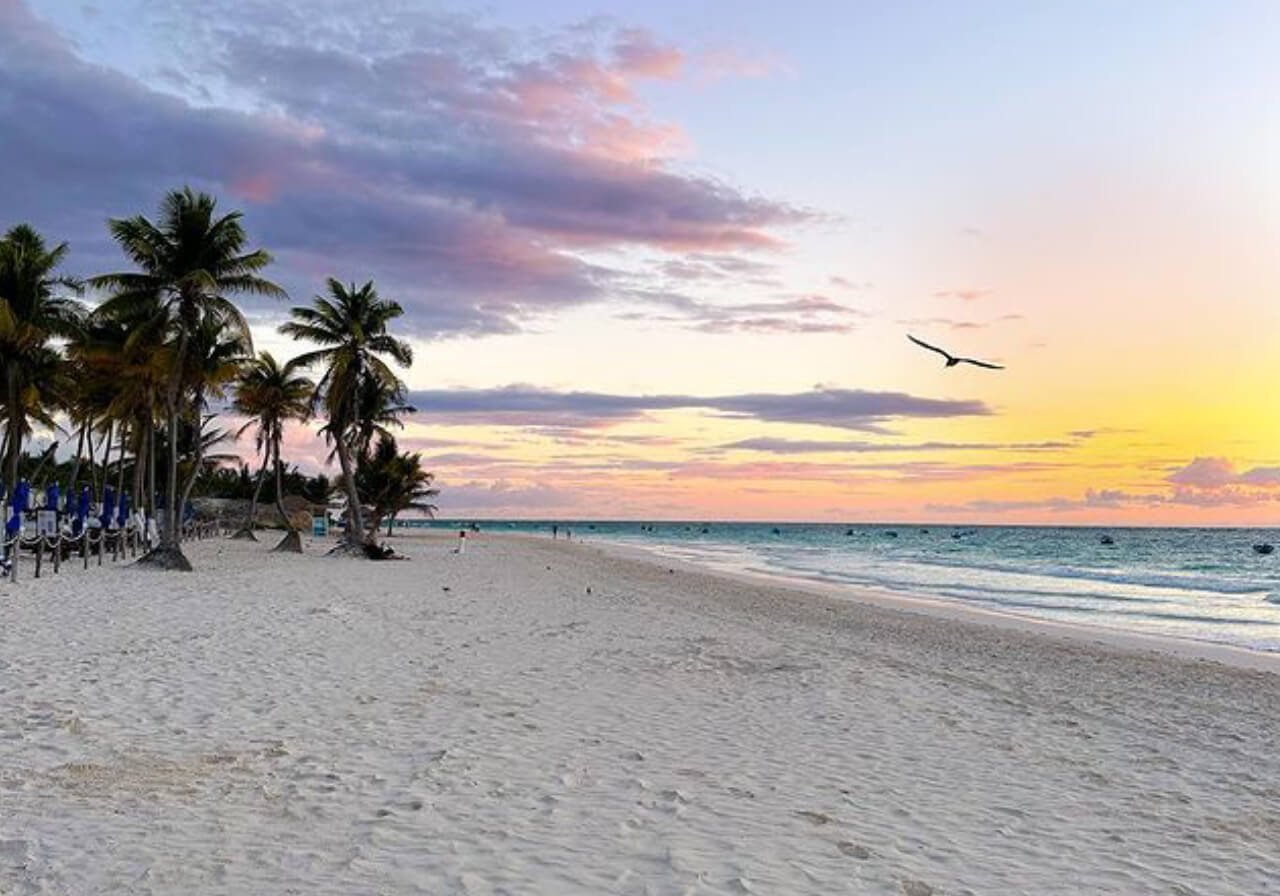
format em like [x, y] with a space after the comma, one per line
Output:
[854, 850]
[818, 818]
[916, 888]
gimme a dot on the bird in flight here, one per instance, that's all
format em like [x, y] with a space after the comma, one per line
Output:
[952, 360]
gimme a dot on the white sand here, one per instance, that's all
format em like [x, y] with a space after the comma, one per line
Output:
[320, 726]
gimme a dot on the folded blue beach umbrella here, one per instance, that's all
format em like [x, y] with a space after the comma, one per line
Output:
[108, 506]
[82, 511]
[14, 522]
[21, 495]
[51, 496]
[123, 516]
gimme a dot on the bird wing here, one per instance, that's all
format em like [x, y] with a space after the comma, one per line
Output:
[932, 348]
[979, 363]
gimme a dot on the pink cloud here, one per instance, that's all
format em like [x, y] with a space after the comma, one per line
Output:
[638, 54]
[1205, 472]
[966, 295]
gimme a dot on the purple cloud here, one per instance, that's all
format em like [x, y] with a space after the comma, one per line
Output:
[465, 168]
[819, 446]
[530, 406]
[809, 313]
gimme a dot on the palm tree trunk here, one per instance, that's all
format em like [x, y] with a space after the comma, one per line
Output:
[75, 464]
[124, 431]
[355, 516]
[198, 461]
[168, 554]
[246, 531]
[13, 437]
[151, 467]
[139, 459]
[292, 541]
[105, 443]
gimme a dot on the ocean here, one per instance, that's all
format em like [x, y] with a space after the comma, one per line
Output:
[1199, 584]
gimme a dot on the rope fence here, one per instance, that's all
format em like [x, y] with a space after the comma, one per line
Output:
[121, 543]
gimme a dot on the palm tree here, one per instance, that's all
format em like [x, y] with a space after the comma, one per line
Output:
[191, 260]
[31, 314]
[350, 326]
[271, 394]
[392, 482]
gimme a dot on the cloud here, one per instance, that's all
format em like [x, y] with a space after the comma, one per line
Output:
[702, 266]
[1267, 477]
[518, 405]
[819, 446]
[986, 505]
[1099, 431]
[470, 169]
[1109, 497]
[1217, 473]
[846, 283]
[809, 313]
[1205, 472]
[1216, 482]
[965, 295]
[1099, 499]
[1206, 482]
[503, 497]
[954, 324]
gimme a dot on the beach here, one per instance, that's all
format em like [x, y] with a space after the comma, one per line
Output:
[541, 717]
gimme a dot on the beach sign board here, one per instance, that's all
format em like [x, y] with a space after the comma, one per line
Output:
[319, 526]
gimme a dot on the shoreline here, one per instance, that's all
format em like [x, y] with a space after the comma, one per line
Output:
[943, 608]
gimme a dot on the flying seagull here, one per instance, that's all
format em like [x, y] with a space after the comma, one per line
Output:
[952, 360]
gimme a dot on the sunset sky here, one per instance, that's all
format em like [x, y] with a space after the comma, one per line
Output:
[659, 260]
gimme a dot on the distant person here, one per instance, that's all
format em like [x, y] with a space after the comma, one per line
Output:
[568, 534]
[462, 542]
[555, 531]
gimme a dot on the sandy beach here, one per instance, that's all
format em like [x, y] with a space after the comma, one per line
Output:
[537, 717]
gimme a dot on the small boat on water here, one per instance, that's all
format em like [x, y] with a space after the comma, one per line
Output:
[1264, 549]
[1106, 539]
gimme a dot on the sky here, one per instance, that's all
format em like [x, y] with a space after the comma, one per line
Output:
[660, 260]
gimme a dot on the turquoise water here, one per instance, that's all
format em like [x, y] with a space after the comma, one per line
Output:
[1202, 584]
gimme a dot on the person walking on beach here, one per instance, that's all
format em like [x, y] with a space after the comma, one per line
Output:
[555, 531]
[462, 542]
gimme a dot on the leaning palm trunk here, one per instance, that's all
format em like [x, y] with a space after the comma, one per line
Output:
[246, 531]
[198, 460]
[292, 541]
